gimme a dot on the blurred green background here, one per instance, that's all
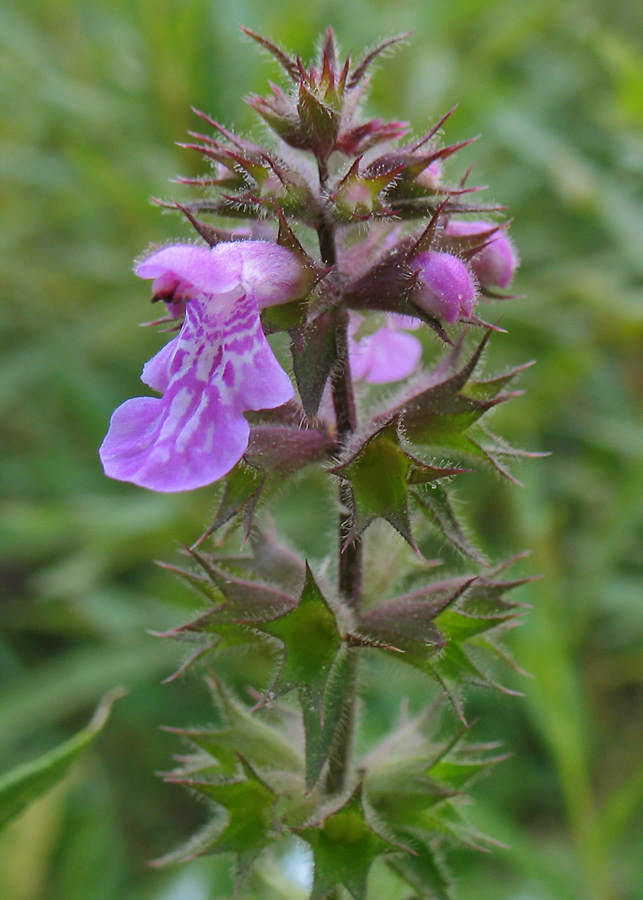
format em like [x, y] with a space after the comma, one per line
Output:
[93, 95]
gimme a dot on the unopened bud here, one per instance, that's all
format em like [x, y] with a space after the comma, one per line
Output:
[431, 177]
[496, 263]
[445, 287]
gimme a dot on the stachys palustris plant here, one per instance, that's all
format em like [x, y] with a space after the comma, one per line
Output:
[352, 243]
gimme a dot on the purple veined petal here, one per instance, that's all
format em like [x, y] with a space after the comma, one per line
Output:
[385, 356]
[156, 371]
[218, 367]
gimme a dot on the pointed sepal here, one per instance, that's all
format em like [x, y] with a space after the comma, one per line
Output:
[251, 822]
[377, 472]
[242, 734]
[323, 732]
[344, 845]
[314, 351]
[311, 639]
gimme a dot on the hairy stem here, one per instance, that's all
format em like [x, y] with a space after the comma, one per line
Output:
[350, 557]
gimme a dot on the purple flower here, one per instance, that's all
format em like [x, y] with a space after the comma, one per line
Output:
[445, 286]
[218, 367]
[495, 265]
[386, 355]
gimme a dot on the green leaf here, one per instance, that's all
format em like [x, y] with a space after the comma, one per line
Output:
[459, 626]
[25, 783]
[466, 445]
[279, 450]
[284, 316]
[457, 666]
[408, 622]
[344, 845]
[270, 562]
[242, 490]
[245, 601]
[489, 388]
[201, 583]
[403, 792]
[320, 122]
[461, 774]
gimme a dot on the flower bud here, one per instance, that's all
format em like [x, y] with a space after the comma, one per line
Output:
[445, 287]
[431, 177]
[496, 263]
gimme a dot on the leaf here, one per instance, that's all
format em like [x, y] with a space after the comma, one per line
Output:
[243, 487]
[460, 775]
[435, 407]
[344, 846]
[319, 122]
[364, 64]
[465, 445]
[270, 562]
[401, 793]
[491, 387]
[245, 602]
[286, 61]
[273, 453]
[25, 783]
[408, 622]
[282, 450]
[284, 316]
[460, 626]
[457, 666]
[200, 583]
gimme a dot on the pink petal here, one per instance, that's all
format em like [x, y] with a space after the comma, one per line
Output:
[274, 273]
[218, 367]
[156, 372]
[212, 271]
[277, 275]
[387, 355]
